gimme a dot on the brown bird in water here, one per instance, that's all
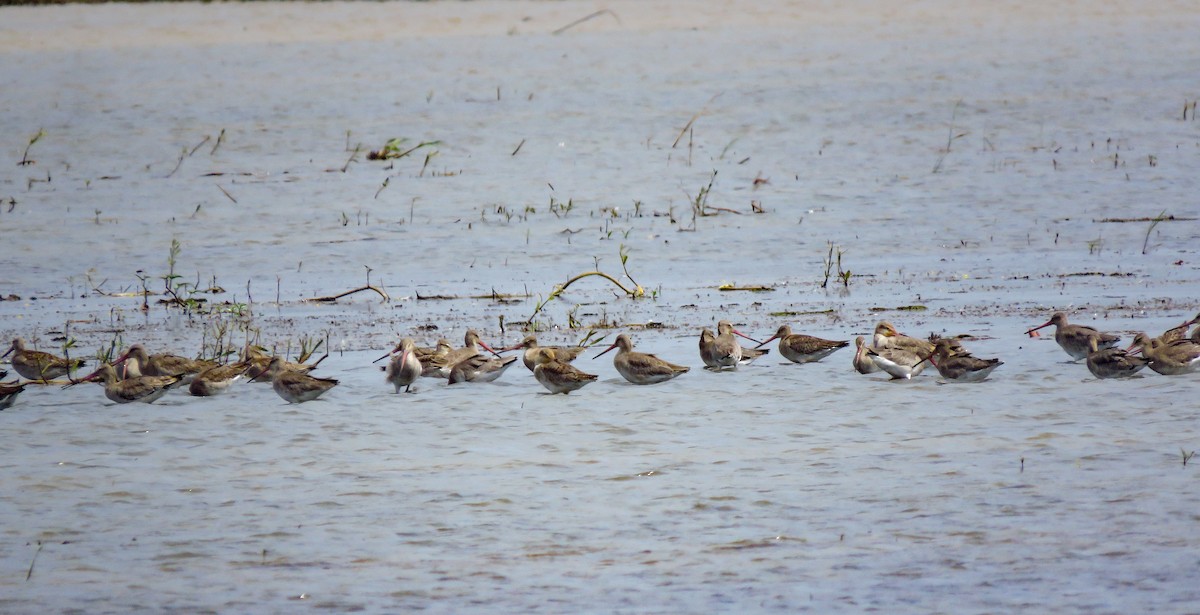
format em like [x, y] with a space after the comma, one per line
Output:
[1181, 356]
[145, 389]
[557, 376]
[8, 393]
[1076, 339]
[405, 367]
[800, 348]
[563, 354]
[38, 365]
[445, 363]
[886, 336]
[164, 364]
[217, 380]
[260, 362]
[1112, 362]
[639, 367]
[955, 364]
[293, 386]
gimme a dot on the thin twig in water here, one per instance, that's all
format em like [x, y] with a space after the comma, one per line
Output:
[179, 163]
[332, 298]
[226, 193]
[207, 138]
[950, 137]
[1153, 223]
[587, 18]
[29, 573]
[352, 158]
[220, 140]
[695, 117]
[25, 161]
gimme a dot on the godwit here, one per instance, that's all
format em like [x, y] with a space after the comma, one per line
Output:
[1180, 332]
[799, 348]
[260, 362]
[293, 386]
[955, 364]
[164, 364]
[562, 354]
[479, 368]
[638, 367]
[1181, 356]
[1112, 362]
[405, 367]
[8, 393]
[217, 380]
[445, 363]
[38, 365]
[726, 350]
[901, 364]
[1076, 339]
[863, 364]
[429, 358]
[556, 376]
[886, 336]
[145, 389]
[708, 351]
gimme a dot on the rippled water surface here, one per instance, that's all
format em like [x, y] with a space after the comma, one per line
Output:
[967, 161]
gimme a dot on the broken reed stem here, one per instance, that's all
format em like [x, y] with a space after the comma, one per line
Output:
[586, 18]
[179, 163]
[226, 193]
[633, 294]
[207, 138]
[1153, 223]
[29, 573]
[949, 137]
[353, 156]
[220, 140]
[332, 298]
[25, 161]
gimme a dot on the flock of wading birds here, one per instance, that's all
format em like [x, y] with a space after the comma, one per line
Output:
[145, 377]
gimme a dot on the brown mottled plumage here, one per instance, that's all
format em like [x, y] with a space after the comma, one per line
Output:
[639, 367]
[164, 364]
[556, 376]
[799, 348]
[1076, 339]
[955, 364]
[1112, 362]
[145, 389]
[38, 365]
[564, 354]
[886, 336]
[293, 386]
[1181, 356]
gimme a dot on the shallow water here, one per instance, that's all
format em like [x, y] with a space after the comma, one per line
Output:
[776, 488]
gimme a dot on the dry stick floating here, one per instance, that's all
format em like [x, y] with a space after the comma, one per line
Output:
[207, 138]
[220, 140]
[514, 152]
[179, 163]
[226, 192]
[1153, 223]
[588, 18]
[558, 290]
[687, 127]
[352, 158]
[332, 298]
[950, 137]
[26, 161]
[29, 573]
